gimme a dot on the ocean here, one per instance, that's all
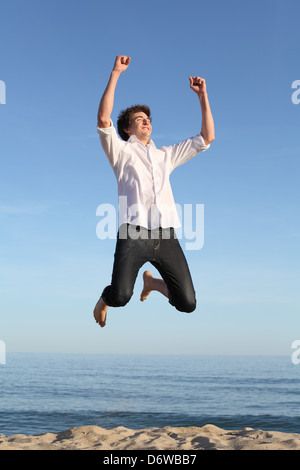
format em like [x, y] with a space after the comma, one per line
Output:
[54, 392]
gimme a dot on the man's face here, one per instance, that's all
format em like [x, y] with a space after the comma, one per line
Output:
[140, 126]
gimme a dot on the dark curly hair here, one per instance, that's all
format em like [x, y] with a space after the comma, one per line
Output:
[124, 118]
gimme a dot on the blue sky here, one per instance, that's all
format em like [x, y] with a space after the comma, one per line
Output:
[56, 58]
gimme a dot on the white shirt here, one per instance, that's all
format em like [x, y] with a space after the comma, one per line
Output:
[142, 172]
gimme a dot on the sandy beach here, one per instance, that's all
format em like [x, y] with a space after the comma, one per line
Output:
[208, 437]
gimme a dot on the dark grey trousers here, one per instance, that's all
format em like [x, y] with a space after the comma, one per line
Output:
[137, 245]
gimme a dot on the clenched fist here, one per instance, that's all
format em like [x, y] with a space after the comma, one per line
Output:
[121, 63]
[198, 85]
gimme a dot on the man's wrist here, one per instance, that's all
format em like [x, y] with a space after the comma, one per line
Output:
[116, 73]
[203, 94]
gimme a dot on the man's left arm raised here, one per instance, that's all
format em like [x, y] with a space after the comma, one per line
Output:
[198, 85]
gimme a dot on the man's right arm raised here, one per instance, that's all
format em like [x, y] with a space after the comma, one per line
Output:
[107, 100]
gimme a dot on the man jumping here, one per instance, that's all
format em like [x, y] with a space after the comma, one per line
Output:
[147, 212]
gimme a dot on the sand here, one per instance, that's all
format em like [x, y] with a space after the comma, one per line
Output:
[208, 437]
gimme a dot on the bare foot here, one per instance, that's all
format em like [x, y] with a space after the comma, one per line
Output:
[148, 281]
[100, 312]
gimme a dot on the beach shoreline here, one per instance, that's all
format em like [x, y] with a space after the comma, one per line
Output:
[208, 437]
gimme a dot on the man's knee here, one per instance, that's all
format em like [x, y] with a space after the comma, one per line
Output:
[121, 298]
[186, 304]
[114, 297]
[189, 306]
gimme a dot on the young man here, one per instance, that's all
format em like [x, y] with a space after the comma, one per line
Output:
[147, 212]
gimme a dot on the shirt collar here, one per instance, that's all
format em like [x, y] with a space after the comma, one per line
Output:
[133, 139]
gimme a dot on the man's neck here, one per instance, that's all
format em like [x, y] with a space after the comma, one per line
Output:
[143, 141]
